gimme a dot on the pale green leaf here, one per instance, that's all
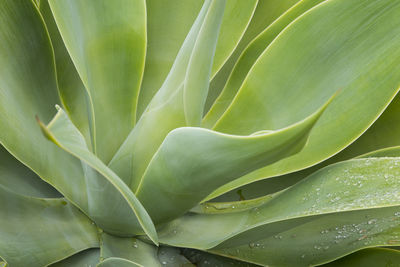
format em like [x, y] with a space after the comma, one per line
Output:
[107, 43]
[249, 57]
[353, 47]
[324, 239]
[118, 262]
[71, 89]
[359, 184]
[164, 113]
[86, 258]
[27, 88]
[198, 70]
[265, 13]
[168, 23]
[369, 257]
[172, 257]
[127, 216]
[382, 134]
[131, 249]
[18, 178]
[41, 231]
[211, 159]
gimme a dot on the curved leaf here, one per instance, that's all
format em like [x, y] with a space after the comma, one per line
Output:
[321, 240]
[382, 135]
[131, 249]
[27, 88]
[203, 259]
[118, 262]
[71, 89]
[357, 59]
[249, 57]
[369, 257]
[198, 70]
[166, 34]
[192, 162]
[264, 14]
[129, 212]
[339, 189]
[41, 231]
[172, 257]
[165, 113]
[18, 178]
[107, 43]
[86, 258]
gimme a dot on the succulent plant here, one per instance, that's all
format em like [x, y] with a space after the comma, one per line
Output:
[199, 133]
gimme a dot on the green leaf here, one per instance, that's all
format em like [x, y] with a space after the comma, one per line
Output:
[166, 110]
[18, 178]
[321, 240]
[118, 262]
[107, 43]
[265, 13]
[41, 231]
[357, 59]
[369, 257]
[86, 258]
[164, 113]
[71, 89]
[198, 71]
[204, 259]
[168, 23]
[166, 34]
[172, 257]
[381, 136]
[249, 57]
[211, 159]
[360, 184]
[28, 87]
[131, 249]
[130, 214]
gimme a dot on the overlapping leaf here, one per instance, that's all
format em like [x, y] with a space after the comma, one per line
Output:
[164, 113]
[87, 258]
[249, 57]
[192, 162]
[16, 177]
[357, 59]
[166, 33]
[358, 197]
[101, 183]
[107, 43]
[41, 231]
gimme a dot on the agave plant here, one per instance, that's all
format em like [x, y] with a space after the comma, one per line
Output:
[199, 133]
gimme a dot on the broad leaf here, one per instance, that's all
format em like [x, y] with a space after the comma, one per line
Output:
[107, 43]
[18, 178]
[359, 184]
[192, 162]
[164, 113]
[369, 257]
[41, 231]
[114, 262]
[86, 258]
[167, 25]
[131, 249]
[72, 91]
[383, 133]
[249, 57]
[198, 70]
[27, 88]
[321, 240]
[265, 13]
[127, 215]
[357, 59]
